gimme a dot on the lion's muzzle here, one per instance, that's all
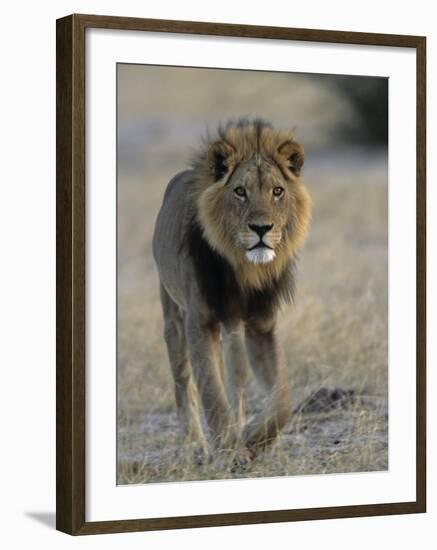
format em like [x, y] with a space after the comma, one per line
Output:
[260, 243]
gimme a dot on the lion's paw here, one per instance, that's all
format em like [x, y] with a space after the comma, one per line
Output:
[241, 460]
[193, 453]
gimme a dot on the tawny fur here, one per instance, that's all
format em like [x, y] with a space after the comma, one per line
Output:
[218, 302]
[239, 143]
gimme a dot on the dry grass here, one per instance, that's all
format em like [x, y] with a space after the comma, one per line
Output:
[334, 336]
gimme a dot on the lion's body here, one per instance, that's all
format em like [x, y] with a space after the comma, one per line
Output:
[225, 243]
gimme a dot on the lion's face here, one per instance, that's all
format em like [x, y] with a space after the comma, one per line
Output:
[259, 203]
[254, 209]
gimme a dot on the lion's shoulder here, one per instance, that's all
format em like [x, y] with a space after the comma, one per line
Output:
[178, 184]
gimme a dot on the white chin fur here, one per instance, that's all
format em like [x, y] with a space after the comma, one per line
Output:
[260, 255]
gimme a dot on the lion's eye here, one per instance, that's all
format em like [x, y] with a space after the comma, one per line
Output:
[240, 191]
[277, 191]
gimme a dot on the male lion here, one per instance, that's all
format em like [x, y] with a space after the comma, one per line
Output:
[225, 245]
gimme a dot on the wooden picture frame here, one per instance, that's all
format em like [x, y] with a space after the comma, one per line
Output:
[71, 283]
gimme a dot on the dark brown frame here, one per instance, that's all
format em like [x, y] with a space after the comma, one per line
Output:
[70, 274]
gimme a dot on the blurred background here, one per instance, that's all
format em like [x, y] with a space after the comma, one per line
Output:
[335, 336]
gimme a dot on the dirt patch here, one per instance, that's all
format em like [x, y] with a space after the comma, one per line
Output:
[332, 431]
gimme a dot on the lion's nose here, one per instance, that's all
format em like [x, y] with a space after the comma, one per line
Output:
[260, 230]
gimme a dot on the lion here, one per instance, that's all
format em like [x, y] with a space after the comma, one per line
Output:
[225, 244]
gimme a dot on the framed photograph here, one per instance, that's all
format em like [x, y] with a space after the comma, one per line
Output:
[240, 274]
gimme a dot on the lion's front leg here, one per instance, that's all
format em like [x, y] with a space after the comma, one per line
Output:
[203, 339]
[267, 362]
[235, 368]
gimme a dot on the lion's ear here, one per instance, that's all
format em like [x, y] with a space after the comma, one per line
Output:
[219, 154]
[291, 152]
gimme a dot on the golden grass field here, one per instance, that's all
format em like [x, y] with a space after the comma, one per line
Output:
[335, 336]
